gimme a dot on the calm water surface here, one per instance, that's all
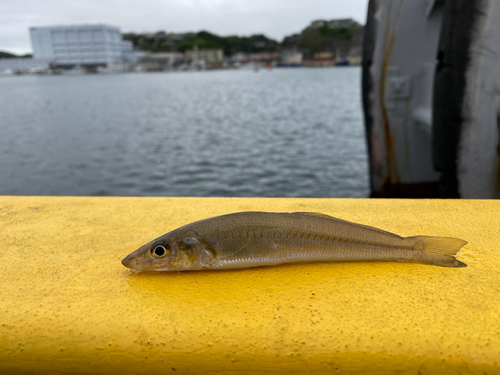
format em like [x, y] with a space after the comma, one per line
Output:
[288, 132]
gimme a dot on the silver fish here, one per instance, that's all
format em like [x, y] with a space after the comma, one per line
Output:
[254, 239]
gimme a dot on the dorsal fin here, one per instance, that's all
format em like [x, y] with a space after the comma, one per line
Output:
[313, 214]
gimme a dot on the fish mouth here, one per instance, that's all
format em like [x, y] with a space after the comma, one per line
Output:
[136, 260]
[128, 262]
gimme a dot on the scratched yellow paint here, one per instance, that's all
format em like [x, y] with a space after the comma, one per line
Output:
[67, 305]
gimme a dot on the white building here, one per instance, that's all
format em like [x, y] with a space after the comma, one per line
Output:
[129, 55]
[86, 45]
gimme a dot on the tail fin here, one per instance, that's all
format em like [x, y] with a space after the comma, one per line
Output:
[440, 251]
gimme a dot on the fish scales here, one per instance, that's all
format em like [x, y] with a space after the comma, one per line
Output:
[252, 239]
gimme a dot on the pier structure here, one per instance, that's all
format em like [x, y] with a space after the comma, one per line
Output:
[70, 306]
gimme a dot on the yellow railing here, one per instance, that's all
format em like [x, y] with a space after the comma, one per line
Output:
[67, 304]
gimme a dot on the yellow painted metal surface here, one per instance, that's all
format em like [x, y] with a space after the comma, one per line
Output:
[67, 305]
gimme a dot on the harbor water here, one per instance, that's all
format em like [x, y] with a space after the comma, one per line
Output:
[285, 132]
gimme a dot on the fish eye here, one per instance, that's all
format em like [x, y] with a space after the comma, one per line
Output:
[159, 251]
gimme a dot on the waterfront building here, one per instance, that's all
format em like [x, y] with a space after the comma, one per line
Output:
[210, 56]
[129, 54]
[240, 57]
[160, 61]
[85, 45]
[264, 57]
[24, 65]
[291, 57]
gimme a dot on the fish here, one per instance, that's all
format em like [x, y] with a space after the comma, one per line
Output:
[256, 239]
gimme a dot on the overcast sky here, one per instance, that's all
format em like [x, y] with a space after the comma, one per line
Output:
[274, 18]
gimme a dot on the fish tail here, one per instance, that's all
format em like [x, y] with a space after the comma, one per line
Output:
[440, 251]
